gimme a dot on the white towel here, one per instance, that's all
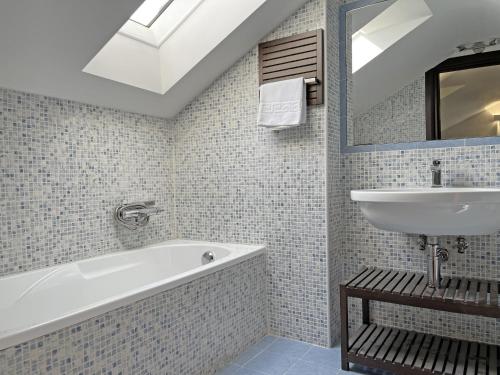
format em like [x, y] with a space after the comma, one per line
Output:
[282, 104]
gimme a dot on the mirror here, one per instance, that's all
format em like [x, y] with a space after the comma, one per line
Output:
[418, 70]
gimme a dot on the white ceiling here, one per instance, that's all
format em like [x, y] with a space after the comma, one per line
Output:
[182, 43]
[44, 45]
[453, 22]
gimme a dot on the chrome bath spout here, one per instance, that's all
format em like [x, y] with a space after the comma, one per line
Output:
[127, 214]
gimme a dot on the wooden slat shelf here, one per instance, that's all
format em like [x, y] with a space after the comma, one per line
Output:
[404, 352]
[408, 352]
[460, 295]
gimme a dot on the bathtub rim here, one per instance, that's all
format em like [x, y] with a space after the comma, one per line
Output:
[11, 338]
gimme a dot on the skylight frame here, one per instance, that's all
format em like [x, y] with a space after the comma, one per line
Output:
[158, 15]
[165, 25]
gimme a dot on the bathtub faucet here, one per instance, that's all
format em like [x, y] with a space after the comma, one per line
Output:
[136, 215]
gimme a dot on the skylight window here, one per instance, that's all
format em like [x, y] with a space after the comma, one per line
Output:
[149, 11]
[155, 20]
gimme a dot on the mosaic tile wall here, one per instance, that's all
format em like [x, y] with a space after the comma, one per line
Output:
[395, 119]
[335, 183]
[399, 118]
[238, 182]
[64, 166]
[193, 329]
[365, 245]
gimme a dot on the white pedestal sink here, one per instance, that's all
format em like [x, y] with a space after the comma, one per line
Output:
[432, 211]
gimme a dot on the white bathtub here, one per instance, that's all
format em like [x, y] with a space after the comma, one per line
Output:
[39, 302]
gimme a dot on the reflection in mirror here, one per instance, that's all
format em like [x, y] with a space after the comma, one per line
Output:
[464, 97]
[417, 70]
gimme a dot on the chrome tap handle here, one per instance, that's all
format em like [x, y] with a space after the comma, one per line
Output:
[136, 215]
[436, 173]
[461, 244]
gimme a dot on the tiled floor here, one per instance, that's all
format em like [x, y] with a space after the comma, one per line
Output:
[279, 356]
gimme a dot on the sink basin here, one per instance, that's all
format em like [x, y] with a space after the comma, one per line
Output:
[432, 211]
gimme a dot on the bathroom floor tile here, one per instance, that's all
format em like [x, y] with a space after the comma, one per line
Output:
[254, 350]
[307, 368]
[230, 369]
[280, 356]
[323, 356]
[289, 347]
[271, 363]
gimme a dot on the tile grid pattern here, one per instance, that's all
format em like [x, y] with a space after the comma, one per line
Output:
[192, 329]
[238, 182]
[59, 154]
[365, 245]
[278, 356]
[335, 184]
[399, 118]
[63, 167]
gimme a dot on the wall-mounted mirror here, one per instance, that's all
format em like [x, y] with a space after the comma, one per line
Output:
[417, 70]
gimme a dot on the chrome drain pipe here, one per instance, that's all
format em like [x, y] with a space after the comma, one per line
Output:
[435, 258]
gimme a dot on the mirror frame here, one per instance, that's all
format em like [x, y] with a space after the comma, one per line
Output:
[344, 147]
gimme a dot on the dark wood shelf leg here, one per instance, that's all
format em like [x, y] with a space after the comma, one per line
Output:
[344, 328]
[366, 310]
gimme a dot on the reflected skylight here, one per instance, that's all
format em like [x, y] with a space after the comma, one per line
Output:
[386, 29]
[149, 11]
[363, 51]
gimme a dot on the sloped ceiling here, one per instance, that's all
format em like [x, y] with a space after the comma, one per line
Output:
[44, 45]
[453, 22]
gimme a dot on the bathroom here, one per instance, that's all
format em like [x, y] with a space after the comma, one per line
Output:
[155, 222]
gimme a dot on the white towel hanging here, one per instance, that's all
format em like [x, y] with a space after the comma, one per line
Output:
[282, 104]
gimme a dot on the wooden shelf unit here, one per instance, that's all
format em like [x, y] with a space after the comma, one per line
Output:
[405, 352]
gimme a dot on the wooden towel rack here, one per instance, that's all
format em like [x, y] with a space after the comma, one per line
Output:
[292, 57]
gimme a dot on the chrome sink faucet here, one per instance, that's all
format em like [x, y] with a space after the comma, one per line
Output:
[436, 173]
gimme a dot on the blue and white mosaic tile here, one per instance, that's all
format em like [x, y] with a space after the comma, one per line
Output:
[399, 118]
[335, 183]
[238, 182]
[64, 166]
[192, 329]
[365, 245]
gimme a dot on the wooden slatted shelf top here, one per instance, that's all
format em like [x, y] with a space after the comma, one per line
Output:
[408, 352]
[458, 294]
